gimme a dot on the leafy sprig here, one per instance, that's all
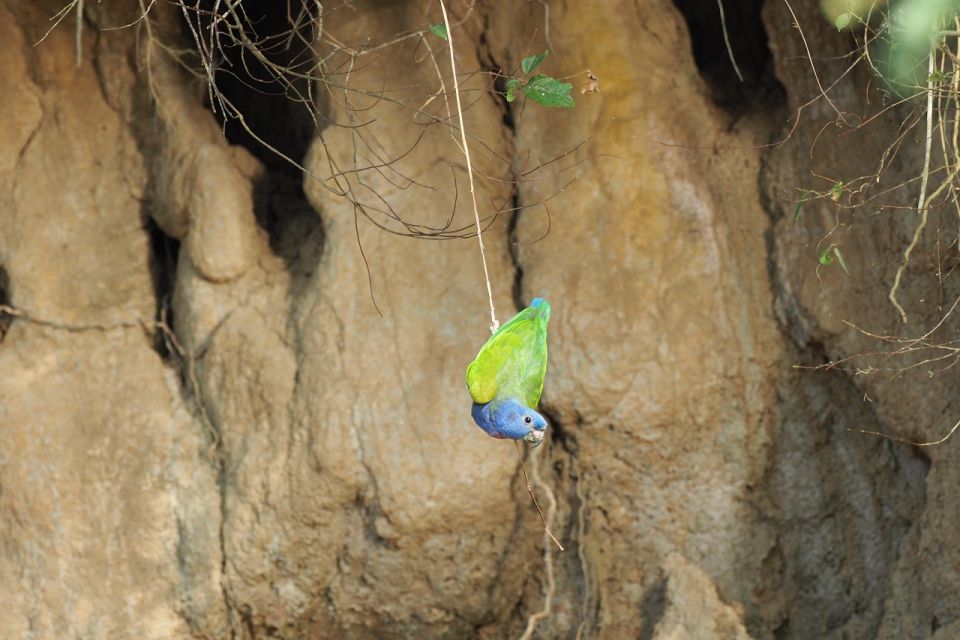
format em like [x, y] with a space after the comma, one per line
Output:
[541, 88]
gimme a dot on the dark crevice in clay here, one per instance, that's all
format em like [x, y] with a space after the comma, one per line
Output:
[748, 40]
[246, 618]
[271, 108]
[782, 630]
[499, 94]
[232, 608]
[277, 129]
[5, 318]
[164, 253]
[285, 127]
[515, 206]
[562, 435]
[652, 607]
[564, 459]
[794, 322]
[282, 125]
[367, 504]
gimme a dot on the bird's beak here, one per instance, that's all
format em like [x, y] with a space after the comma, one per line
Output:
[535, 437]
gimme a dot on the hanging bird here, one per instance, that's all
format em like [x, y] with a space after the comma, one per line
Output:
[506, 378]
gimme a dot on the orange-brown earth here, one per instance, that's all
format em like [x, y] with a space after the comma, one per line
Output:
[288, 461]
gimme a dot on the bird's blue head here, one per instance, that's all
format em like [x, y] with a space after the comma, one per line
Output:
[509, 419]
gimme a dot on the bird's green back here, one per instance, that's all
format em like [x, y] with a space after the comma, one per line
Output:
[513, 362]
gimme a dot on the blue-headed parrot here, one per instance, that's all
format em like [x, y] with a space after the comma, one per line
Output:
[506, 378]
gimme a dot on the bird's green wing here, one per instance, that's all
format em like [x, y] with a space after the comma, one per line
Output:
[513, 362]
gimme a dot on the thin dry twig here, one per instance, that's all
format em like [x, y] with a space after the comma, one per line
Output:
[59, 17]
[226, 43]
[886, 436]
[726, 40]
[813, 66]
[546, 526]
[904, 346]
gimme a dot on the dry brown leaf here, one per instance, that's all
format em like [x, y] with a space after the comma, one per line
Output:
[592, 84]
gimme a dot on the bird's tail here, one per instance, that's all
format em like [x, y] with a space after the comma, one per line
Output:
[542, 307]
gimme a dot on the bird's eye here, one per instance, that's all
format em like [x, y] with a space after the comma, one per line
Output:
[528, 419]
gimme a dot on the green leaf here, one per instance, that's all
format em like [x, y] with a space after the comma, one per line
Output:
[843, 263]
[796, 212]
[836, 191]
[531, 63]
[842, 21]
[549, 92]
[439, 30]
[825, 257]
[512, 89]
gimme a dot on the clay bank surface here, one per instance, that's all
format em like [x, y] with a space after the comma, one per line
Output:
[232, 396]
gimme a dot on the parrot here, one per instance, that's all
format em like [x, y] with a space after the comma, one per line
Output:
[505, 380]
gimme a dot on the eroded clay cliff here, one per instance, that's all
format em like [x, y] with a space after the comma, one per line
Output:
[232, 405]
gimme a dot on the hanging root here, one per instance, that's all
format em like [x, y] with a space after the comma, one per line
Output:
[535, 470]
[922, 201]
[551, 585]
[932, 443]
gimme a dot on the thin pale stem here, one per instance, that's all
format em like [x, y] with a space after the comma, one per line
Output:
[494, 325]
[933, 443]
[922, 200]
[726, 40]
